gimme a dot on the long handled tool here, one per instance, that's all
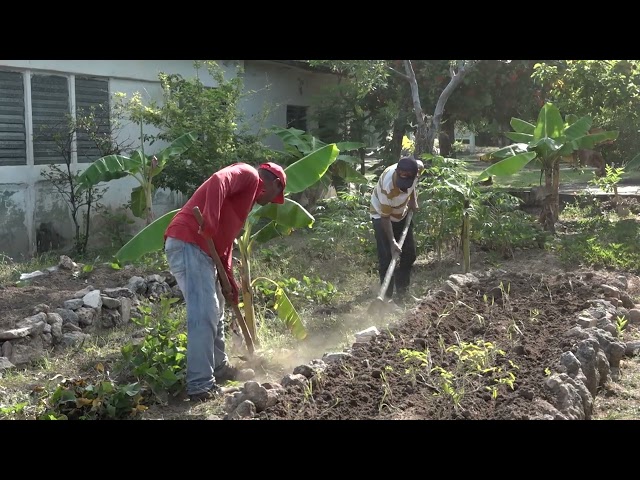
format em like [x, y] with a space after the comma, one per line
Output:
[226, 285]
[379, 305]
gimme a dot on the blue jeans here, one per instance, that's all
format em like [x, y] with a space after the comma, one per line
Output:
[197, 278]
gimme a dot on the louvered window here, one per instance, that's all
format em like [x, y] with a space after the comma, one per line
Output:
[92, 99]
[48, 122]
[51, 116]
[13, 147]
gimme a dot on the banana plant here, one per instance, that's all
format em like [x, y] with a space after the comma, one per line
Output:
[280, 220]
[297, 143]
[141, 167]
[548, 141]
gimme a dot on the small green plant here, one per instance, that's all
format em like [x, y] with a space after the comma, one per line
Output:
[609, 182]
[417, 362]
[447, 387]
[621, 324]
[12, 410]
[386, 390]
[348, 371]
[159, 361]
[474, 365]
[534, 315]
[308, 392]
[93, 399]
[311, 289]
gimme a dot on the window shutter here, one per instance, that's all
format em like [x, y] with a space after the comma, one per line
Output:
[92, 99]
[50, 109]
[13, 147]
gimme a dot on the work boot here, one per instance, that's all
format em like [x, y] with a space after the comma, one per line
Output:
[227, 372]
[213, 392]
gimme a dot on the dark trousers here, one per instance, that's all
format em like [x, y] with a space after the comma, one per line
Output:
[402, 274]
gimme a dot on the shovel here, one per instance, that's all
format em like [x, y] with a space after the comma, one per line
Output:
[226, 284]
[379, 306]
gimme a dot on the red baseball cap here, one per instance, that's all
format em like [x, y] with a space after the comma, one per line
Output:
[278, 172]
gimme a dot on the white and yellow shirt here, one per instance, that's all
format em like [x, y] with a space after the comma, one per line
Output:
[387, 200]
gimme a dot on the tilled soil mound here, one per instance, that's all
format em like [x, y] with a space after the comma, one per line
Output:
[501, 345]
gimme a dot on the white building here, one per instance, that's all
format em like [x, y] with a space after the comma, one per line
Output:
[40, 93]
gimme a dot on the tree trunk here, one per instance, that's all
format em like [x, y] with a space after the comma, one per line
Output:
[427, 132]
[395, 145]
[555, 191]
[546, 215]
[466, 234]
[447, 136]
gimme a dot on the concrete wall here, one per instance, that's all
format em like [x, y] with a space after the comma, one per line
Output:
[276, 86]
[28, 203]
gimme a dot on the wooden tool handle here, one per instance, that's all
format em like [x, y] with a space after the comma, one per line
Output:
[212, 250]
[226, 284]
[394, 259]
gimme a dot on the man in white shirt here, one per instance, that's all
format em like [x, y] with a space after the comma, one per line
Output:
[392, 197]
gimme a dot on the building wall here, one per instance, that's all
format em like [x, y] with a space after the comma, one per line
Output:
[276, 86]
[29, 205]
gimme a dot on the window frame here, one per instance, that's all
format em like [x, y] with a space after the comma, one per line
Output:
[27, 75]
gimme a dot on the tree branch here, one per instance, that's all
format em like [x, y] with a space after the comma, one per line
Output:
[399, 74]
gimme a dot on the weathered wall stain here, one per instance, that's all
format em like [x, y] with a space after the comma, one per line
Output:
[12, 216]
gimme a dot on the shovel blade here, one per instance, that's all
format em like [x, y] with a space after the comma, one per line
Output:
[380, 307]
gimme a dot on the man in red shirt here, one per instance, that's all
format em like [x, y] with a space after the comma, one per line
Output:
[225, 200]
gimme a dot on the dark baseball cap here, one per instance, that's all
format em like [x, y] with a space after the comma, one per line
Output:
[410, 166]
[278, 172]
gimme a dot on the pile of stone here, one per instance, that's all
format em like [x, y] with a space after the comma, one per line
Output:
[87, 311]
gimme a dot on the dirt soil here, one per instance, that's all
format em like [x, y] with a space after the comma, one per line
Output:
[512, 320]
[53, 288]
[527, 320]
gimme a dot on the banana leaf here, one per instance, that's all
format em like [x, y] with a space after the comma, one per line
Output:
[306, 171]
[149, 239]
[508, 166]
[290, 214]
[520, 126]
[550, 123]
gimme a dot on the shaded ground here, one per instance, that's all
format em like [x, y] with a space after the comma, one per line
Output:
[404, 372]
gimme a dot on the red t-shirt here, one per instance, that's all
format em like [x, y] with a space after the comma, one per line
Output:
[225, 200]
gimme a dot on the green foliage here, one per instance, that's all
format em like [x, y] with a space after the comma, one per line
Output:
[612, 177]
[473, 365]
[11, 411]
[308, 289]
[159, 361]
[499, 225]
[189, 104]
[597, 239]
[606, 90]
[443, 191]
[621, 324]
[344, 221]
[144, 168]
[93, 399]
